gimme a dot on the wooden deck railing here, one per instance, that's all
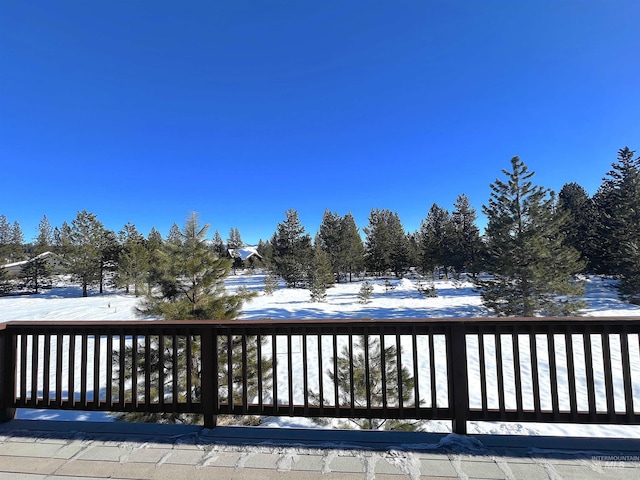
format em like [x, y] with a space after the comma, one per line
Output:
[570, 370]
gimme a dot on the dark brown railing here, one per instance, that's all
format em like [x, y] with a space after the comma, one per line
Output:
[570, 370]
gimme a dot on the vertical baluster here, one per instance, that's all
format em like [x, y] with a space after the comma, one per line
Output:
[290, 368]
[46, 374]
[96, 372]
[608, 374]
[230, 353]
[320, 374]
[432, 373]
[245, 385]
[274, 366]
[72, 369]
[209, 375]
[571, 375]
[260, 370]
[109, 374]
[23, 368]
[416, 387]
[626, 375]
[400, 377]
[483, 371]
[553, 373]
[189, 368]
[161, 367]
[517, 373]
[305, 374]
[588, 365]
[147, 369]
[84, 359]
[175, 372]
[533, 349]
[211, 345]
[35, 346]
[59, 344]
[367, 372]
[134, 371]
[336, 390]
[500, 373]
[122, 377]
[352, 392]
[383, 367]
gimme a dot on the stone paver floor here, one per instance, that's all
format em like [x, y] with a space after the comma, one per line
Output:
[37, 450]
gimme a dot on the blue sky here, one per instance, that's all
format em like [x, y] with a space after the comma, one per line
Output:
[144, 111]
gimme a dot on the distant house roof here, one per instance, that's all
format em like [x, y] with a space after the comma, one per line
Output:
[244, 253]
[16, 267]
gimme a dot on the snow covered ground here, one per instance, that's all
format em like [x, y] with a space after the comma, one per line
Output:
[455, 299]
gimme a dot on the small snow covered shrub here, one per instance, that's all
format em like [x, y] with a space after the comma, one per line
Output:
[364, 295]
[270, 283]
[427, 290]
[388, 285]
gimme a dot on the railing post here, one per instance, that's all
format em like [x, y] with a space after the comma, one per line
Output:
[208, 376]
[7, 375]
[458, 378]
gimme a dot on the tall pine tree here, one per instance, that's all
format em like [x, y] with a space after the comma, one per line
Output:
[291, 251]
[387, 244]
[435, 240]
[531, 268]
[465, 244]
[192, 284]
[618, 201]
[82, 245]
[352, 248]
[580, 220]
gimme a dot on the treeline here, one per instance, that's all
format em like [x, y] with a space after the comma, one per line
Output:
[530, 229]
[535, 240]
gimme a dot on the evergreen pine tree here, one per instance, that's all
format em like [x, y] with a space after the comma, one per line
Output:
[5, 240]
[175, 236]
[265, 249]
[365, 292]
[320, 276]
[399, 254]
[157, 261]
[465, 242]
[192, 286]
[387, 244]
[5, 281]
[235, 239]
[435, 240]
[109, 253]
[580, 220]
[532, 270]
[133, 260]
[329, 239]
[270, 283]
[37, 273]
[292, 250]
[82, 244]
[218, 244]
[378, 243]
[352, 248]
[44, 240]
[234, 242]
[618, 201]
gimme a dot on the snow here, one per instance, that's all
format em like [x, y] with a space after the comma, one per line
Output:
[455, 299]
